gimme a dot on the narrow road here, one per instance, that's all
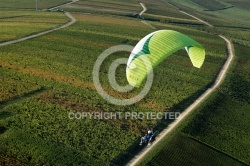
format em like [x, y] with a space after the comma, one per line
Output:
[219, 79]
[72, 20]
[143, 8]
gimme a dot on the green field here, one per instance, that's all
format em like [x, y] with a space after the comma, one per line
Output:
[212, 5]
[221, 123]
[5, 160]
[14, 84]
[117, 7]
[30, 4]
[62, 73]
[190, 152]
[67, 65]
[227, 17]
[243, 4]
[229, 110]
[45, 78]
[237, 34]
[17, 24]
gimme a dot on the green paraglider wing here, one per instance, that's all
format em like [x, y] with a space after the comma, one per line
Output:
[157, 46]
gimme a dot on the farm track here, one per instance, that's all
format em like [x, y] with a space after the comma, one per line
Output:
[40, 90]
[219, 79]
[144, 8]
[72, 21]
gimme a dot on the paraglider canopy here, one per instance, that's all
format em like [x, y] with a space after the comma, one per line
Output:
[157, 46]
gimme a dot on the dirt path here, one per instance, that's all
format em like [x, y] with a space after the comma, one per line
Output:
[72, 20]
[148, 24]
[143, 8]
[204, 22]
[220, 77]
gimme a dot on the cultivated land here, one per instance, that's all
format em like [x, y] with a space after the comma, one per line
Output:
[44, 78]
[70, 88]
[190, 152]
[228, 109]
[233, 16]
[221, 123]
[28, 4]
[120, 7]
[17, 24]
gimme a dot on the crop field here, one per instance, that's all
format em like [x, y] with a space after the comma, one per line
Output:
[172, 20]
[221, 122]
[32, 21]
[93, 31]
[38, 129]
[26, 4]
[236, 33]
[226, 17]
[14, 84]
[159, 11]
[229, 110]
[120, 5]
[105, 7]
[156, 10]
[46, 78]
[233, 19]
[190, 152]
[5, 160]
[243, 4]
[162, 8]
[211, 5]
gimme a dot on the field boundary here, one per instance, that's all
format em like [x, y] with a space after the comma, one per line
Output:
[70, 22]
[218, 80]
